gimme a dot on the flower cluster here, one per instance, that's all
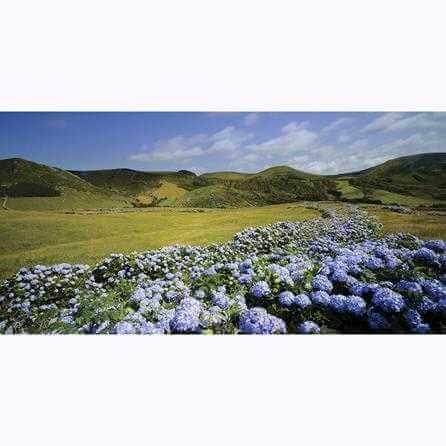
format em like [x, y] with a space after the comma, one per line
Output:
[334, 274]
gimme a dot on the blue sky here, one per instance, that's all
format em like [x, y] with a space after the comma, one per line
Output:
[315, 142]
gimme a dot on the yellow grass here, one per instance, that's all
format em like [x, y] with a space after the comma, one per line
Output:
[29, 238]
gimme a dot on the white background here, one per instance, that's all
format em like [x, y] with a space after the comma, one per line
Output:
[225, 55]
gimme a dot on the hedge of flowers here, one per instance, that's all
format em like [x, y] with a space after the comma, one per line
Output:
[336, 274]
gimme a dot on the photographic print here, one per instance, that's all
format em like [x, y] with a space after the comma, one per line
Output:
[222, 223]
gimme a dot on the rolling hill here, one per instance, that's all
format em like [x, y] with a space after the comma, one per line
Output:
[422, 176]
[410, 180]
[30, 185]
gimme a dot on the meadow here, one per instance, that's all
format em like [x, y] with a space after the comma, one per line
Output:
[46, 237]
[32, 237]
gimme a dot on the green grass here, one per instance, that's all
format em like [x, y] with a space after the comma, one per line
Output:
[348, 191]
[387, 197]
[70, 199]
[29, 238]
[422, 225]
[214, 197]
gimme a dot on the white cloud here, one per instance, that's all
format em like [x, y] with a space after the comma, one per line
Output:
[183, 148]
[390, 122]
[336, 124]
[294, 139]
[359, 144]
[250, 119]
[383, 123]
[341, 148]
[344, 137]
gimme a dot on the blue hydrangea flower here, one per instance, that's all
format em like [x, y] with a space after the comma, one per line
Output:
[388, 301]
[260, 289]
[412, 318]
[124, 327]
[425, 256]
[321, 283]
[422, 329]
[186, 318]
[286, 298]
[308, 327]
[408, 287]
[321, 298]
[355, 305]
[377, 321]
[441, 306]
[434, 289]
[302, 301]
[258, 321]
[373, 263]
[436, 245]
[337, 303]
[425, 305]
[339, 276]
[220, 300]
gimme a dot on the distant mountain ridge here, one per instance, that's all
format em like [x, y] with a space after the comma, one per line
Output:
[422, 176]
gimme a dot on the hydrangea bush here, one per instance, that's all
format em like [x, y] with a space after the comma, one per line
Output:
[337, 274]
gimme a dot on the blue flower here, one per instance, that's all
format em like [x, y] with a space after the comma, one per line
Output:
[425, 256]
[286, 298]
[355, 305]
[308, 327]
[260, 289]
[388, 301]
[124, 327]
[436, 245]
[373, 263]
[422, 329]
[302, 301]
[258, 321]
[186, 318]
[425, 305]
[408, 287]
[220, 300]
[413, 318]
[321, 283]
[377, 321]
[321, 298]
[337, 303]
[339, 276]
[434, 289]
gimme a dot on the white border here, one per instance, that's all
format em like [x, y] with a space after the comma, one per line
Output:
[227, 56]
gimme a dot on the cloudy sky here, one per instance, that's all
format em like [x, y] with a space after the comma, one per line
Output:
[202, 142]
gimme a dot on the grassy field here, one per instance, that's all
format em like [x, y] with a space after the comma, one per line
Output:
[348, 191]
[32, 237]
[29, 238]
[422, 225]
[70, 200]
[387, 197]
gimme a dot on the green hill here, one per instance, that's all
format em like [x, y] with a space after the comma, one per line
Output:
[279, 184]
[144, 188]
[421, 176]
[30, 185]
[133, 182]
[410, 180]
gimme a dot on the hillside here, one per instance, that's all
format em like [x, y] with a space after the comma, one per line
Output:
[143, 188]
[422, 176]
[132, 182]
[30, 185]
[279, 184]
[411, 180]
